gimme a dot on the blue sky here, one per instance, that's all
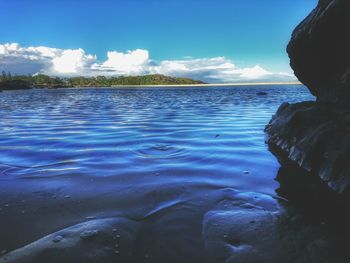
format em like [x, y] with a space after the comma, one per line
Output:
[246, 33]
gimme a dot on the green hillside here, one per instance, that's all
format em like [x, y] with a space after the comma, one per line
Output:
[7, 81]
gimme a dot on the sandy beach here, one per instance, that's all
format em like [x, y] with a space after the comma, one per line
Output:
[216, 84]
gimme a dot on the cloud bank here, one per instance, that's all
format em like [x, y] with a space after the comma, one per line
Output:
[76, 62]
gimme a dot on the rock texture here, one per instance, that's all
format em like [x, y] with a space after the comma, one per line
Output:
[233, 227]
[316, 135]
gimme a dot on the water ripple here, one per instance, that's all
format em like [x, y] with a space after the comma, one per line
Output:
[205, 134]
[161, 151]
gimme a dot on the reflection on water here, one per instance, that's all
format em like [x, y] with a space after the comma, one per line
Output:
[182, 174]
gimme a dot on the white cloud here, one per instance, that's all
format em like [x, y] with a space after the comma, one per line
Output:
[76, 62]
[219, 69]
[72, 62]
[46, 60]
[130, 63]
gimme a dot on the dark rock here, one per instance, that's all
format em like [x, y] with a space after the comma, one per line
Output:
[90, 242]
[315, 138]
[312, 197]
[316, 135]
[261, 93]
[320, 54]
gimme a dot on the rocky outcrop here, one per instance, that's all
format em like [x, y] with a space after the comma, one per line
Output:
[316, 135]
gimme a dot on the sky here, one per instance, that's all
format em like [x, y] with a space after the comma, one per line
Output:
[214, 41]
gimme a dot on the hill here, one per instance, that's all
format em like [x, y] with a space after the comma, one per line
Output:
[9, 82]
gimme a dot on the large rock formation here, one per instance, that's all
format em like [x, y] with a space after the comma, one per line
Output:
[316, 135]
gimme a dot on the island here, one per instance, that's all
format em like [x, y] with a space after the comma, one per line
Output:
[9, 82]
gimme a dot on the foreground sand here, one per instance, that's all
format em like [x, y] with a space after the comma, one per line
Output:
[195, 222]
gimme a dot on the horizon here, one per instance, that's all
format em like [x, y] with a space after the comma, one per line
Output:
[241, 43]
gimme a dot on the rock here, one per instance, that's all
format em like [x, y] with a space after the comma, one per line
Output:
[317, 250]
[261, 93]
[230, 236]
[319, 51]
[315, 135]
[237, 227]
[314, 138]
[87, 234]
[76, 245]
[57, 239]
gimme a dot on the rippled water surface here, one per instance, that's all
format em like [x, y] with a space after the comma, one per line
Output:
[164, 156]
[178, 134]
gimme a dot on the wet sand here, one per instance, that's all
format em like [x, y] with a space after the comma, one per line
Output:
[191, 222]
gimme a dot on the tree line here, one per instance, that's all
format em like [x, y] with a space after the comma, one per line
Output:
[9, 81]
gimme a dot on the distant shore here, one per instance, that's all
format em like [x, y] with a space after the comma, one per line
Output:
[212, 85]
[22, 87]
[10, 82]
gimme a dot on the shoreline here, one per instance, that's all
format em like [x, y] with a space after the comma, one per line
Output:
[167, 85]
[211, 85]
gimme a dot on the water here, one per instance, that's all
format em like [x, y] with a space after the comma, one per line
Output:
[196, 134]
[169, 159]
